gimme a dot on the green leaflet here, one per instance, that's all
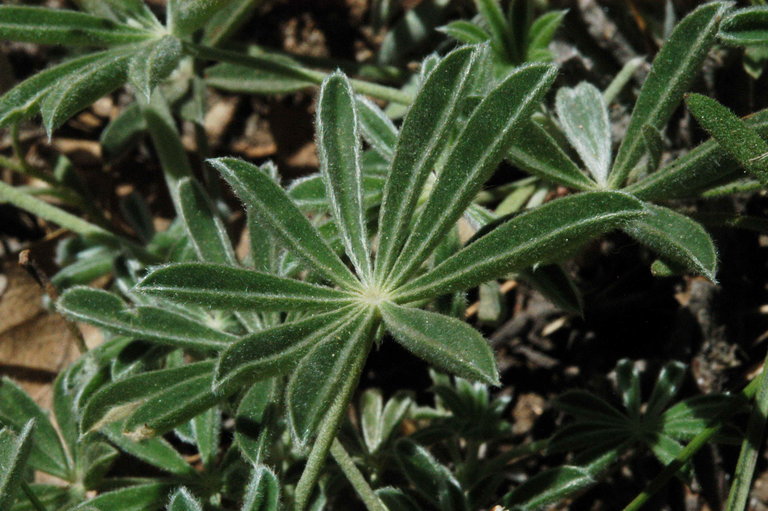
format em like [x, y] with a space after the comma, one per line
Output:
[59, 26]
[142, 497]
[263, 491]
[465, 32]
[446, 343]
[81, 89]
[745, 27]
[422, 139]
[541, 33]
[430, 478]
[480, 147]
[14, 451]
[535, 151]
[502, 39]
[117, 400]
[46, 453]
[308, 193]
[673, 69]
[154, 63]
[279, 80]
[338, 149]
[676, 238]
[155, 451]
[583, 115]
[322, 375]
[732, 134]
[207, 430]
[277, 212]
[107, 311]
[539, 235]
[205, 228]
[186, 16]
[252, 420]
[182, 500]
[228, 20]
[274, 351]
[378, 421]
[377, 129]
[549, 487]
[228, 287]
[23, 100]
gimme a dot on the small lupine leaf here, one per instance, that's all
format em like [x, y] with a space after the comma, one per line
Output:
[227, 287]
[59, 26]
[154, 63]
[734, 136]
[263, 491]
[430, 478]
[584, 406]
[115, 401]
[252, 417]
[47, 453]
[133, 498]
[667, 384]
[705, 165]
[107, 311]
[465, 32]
[542, 31]
[676, 238]
[186, 16]
[422, 139]
[338, 149]
[155, 451]
[14, 451]
[278, 213]
[673, 69]
[534, 151]
[309, 192]
[275, 350]
[479, 149]
[745, 27]
[81, 89]
[323, 373]
[446, 343]
[536, 236]
[23, 100]
[183, 500]
[583, 115]
[687, 418]
[377, 129]
[549, 487]
[206, 230]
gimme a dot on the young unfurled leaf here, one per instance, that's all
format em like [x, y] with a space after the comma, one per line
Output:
[228, 287]
[429, 477]
[278, 213]
[186, 16]
[422, 139]
[133, 498]
[677, 238]
[106, 310]
[154, 63]
[182, 500]
[59, 26]
[263, 491]
[673, 69]
[584, 117]
[323, 374]
[338, 149]
[745, 27]
[14, 451]
[732, 134]
[275, 350]
[446, 343]
[536, 236]
[80, 89]
[46, 452]
[377, 129]
[480, 147]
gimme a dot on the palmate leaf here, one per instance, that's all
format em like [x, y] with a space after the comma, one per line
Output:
[444, 342]
[673, 69]
[676, 238]
[536, 236]
[584, 116]
[154, 63]
[227, 287]
[479, 149]
[327, 373]
[423, 136]
[338, 149]
[281, 216]
[107, 311]
[71, 28]
[14, 451]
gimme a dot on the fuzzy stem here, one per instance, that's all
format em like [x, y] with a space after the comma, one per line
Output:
[295, 72]
[355, 477]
